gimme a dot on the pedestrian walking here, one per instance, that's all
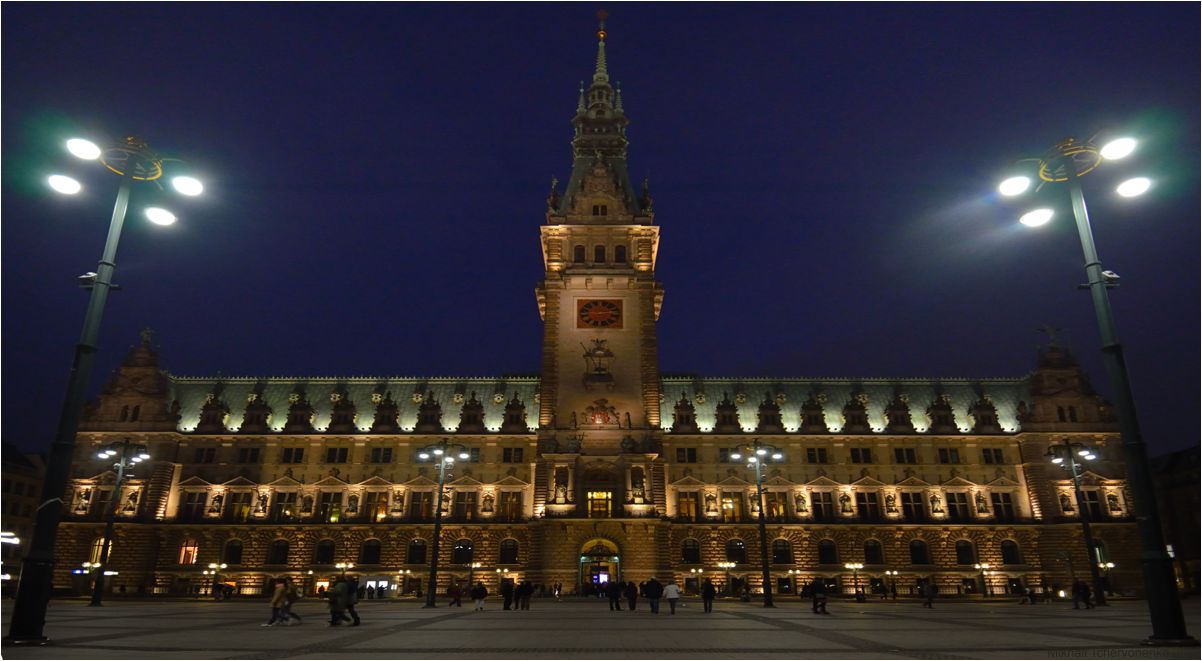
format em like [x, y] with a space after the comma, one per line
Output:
[632, 595]
[371, 592]
[478, 594]
[352, 597]
[506, 594]
[708, 592]
[613, 590]
[557, 589]
[818, 596]
[336, 597]
[893, 590]
[277, 604]
[672, 594]
[290, 597]
[525, 591]
[929, 591]
[455, 594]
[655, 590]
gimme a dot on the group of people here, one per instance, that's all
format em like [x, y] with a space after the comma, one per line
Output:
[283, 595]
[651, 590]
[341, 599]
[513, 596]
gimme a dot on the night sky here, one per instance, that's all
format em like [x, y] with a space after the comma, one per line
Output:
[824, 176]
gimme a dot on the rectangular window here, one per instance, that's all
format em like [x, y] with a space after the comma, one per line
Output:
[238, 506]
[861, 455]
[421, 505]
[336, 455]
[949, 456]
[292, 456]
[816, 455]
[381, 455]
[912, 505]
[732, 506]
[284, 507]
[823, 504]
[992, 456]
[957, 506]
[724, 455]
[204, 455]
[511, 455]
[1003, 506]
[599, 504]
[464, 506]
[104, 502]
[1092, 503]
[375, 505]
[905, 456]
[511, 506]
[868, 506]
[686, 455]
[329, 506]
[687, 506]
[248, 455]
[474, 454]
[194, 505]
[775, 506]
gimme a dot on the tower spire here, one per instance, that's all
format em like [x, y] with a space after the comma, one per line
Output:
[601, 74]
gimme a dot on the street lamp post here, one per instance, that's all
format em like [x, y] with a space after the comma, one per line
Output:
[442, 453]
[1065, 454]
[343, 566]
[983, 568]
[471, 569]
[726, 566]
[855, 568]
[1068, 161]
[892, 574]
[758, 454]
[128, 455]
[1107, 566]
[133, 160]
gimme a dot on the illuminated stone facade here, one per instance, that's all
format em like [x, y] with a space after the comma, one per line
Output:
[599, 464]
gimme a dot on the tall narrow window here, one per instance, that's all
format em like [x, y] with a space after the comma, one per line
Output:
[736, 551]
[957, 506]
[323, 554]
[868, 506]
[97, 549]
[509, 552]
[578, 254]
[912, 505]
[232, 554]
[828, 553]
[920, 554]
[189, 552]
[620, 254]
[687, 505]
[782, 552]
[461, 552]
[465, 505]
[599, 504]
[277, 553]
[1010, 553]
[823, 505]
[369, 552]
[511, 506]
[421, 505]
[416, 553]
[966, 553]
[599, 254]
[732, 506]
[1003, 506]
[775, 506]
[874, 553]
[690, 552]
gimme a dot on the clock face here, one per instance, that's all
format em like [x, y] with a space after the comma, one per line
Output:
[598, 313]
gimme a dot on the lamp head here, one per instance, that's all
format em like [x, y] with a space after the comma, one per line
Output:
[1014, 186]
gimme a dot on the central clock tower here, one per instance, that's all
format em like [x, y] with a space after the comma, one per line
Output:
[599, 299]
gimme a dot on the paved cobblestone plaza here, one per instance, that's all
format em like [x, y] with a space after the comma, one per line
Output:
[585, 628]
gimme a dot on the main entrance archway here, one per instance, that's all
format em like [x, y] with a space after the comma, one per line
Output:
[600, 562]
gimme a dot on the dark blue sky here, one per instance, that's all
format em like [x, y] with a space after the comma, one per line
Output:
[824, 178]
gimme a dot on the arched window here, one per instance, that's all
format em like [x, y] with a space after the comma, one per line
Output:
[578, 254]
[828, 553]
[96, 550]
[461, 552]
[604, 210]
[620, 254]
[509, 552]
[690, 552]
[277, 553]
[1060, 414]
[1072, 413]
[919, 553]
[416, 553]
[1010, 553]
[189, 552]
[369, 552]
[324, 553]
[124, 413]
[782, 552]
[966, 553]
[736, 551]
[874, 554]
[232, 553]
[599, 254]
[133, 415]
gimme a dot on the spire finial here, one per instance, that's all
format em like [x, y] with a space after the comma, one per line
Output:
[601, 73]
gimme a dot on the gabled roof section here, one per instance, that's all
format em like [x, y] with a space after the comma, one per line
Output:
[958, 481]
[822, 481]
[239, 481]
[912, 481]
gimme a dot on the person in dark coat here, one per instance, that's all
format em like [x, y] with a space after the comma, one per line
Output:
[524, 592]
[708, 592]
[655, 590]
[337, 599]
[507, 594]
[929, 591]
[456, 595]
[352, 598]
[818, 596]
[479, 592]
[613, 590]
[632, 594]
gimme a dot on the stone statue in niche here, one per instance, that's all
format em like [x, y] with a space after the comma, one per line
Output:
[755, 504]
[398, 500]
[83, 501]
[307, 505]
[262, 509]
[1112, 502]
[637, 484]
[845, 503]
[982, 504]
[446, 501]
[711, 503]
[488, 503]
[215, 506]
[574, 444]
[628, 443]
[1066, 503]
[352, 504]
[131, 502]
[799, 503]
[561, 485]
[890, 503]
[936, 504]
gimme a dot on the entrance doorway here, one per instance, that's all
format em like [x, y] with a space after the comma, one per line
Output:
[600, 562]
